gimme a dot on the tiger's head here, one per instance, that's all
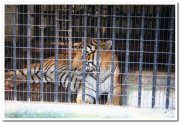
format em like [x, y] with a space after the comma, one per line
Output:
[91, 56]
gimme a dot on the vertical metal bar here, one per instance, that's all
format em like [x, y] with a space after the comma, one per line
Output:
[141, 56]
[84, 53]
[113, 54]
[41, 52]
[56, 55]
[170, 57]
[28, 52]
[93, 22]
[22, 20]
[127, 55]
[14, 54]
[69, 53]
[37, 9]
[156, 46]
[98, 55]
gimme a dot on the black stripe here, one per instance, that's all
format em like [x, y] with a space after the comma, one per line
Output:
[65, 79]
[75, 84]
[90, 89]
[54, 68]
[93, 52]
[48, 68]
[37, 69]
[62, 76]
[116, 86]
[88, 83]
[47, 64]
[38, 77]
[92, 56]
[37, 72]
[47, 77]
[91, 97]
[93, 77]
[60, 70]
[89, 46]
[32, 78]
[34, 68]
[22, 72]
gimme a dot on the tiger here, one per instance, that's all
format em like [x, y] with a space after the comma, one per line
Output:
[105, 59]
[48, 74]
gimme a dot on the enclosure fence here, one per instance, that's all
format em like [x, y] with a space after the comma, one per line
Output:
[143, 39]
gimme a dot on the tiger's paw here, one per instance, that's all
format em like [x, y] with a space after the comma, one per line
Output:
[88, 100]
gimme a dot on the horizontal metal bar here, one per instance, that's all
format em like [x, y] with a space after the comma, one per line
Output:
[92, 15]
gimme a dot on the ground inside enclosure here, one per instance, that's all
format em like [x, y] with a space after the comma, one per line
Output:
[146, 97]
[67, 111]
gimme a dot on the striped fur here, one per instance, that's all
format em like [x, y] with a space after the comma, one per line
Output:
[48, 74]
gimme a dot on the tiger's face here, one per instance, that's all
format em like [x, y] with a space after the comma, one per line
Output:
[91, 56]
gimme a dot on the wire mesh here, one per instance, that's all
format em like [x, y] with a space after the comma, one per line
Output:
[143, 39]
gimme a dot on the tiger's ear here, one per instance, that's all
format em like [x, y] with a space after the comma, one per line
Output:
[106, 45]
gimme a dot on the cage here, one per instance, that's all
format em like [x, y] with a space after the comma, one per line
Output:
[142, 36]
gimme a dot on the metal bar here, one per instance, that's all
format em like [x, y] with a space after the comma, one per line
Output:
[14, 54]
[98, 55]
[37, 9]
[41, 53]
[113, 54]
[84, 54]
[56, 55]
[93, 22]
[171, 30]
[22, 18]
[127, 55]
[28, 52]
[156, 46]
[141, 56]
[69, 53]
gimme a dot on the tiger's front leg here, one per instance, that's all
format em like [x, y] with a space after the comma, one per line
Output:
[88, 98]
[116, 98]
[90, 91]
